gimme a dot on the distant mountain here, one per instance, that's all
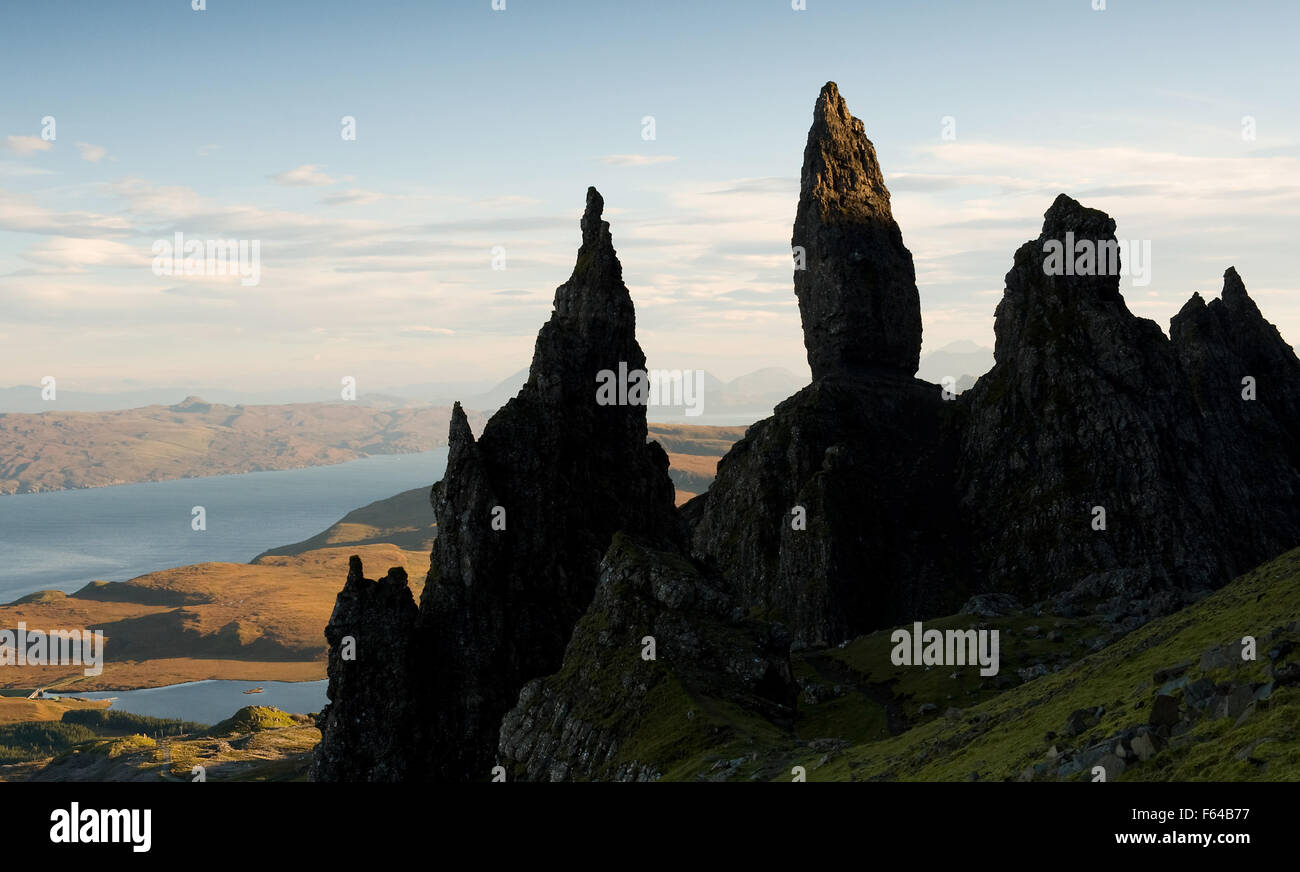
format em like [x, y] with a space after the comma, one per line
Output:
[498, 395]
[27, 398]
[956, 359]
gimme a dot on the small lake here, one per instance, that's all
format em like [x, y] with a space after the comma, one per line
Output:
[63, 540]
[209, 702]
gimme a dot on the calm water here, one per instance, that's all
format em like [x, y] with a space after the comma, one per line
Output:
[65, 539]
[208, 702]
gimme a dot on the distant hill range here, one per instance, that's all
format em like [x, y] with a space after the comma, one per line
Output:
[192, 438]
[753, 394]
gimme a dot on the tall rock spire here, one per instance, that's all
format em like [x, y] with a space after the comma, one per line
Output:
[857, 294]
[524, 514]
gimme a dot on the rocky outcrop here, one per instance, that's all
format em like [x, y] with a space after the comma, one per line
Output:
[836, 514]
[1097, 451]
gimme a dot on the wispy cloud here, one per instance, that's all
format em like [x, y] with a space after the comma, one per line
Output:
[305, 176]
[352, 196]
[92, 153]
[25, 145]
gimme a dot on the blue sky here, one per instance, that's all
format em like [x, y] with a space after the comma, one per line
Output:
[479, 128]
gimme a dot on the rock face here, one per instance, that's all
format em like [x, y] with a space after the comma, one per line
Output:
[857, 294]
[835, 514]
[524, 515]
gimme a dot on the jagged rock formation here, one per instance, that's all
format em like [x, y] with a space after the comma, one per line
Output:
[866, 453]
[1089, 407]
[525, 514]
[868, 499]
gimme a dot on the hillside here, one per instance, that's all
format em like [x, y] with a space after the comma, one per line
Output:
[259, 621]
[62, 450]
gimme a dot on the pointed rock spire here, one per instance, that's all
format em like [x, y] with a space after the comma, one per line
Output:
[593, 325]
[1233, 286]
[857, 293]
[524, 515]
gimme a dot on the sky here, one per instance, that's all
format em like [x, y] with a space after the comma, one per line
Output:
[477, 132]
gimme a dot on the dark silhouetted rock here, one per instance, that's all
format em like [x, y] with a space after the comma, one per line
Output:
[364, 728]
[868, 499]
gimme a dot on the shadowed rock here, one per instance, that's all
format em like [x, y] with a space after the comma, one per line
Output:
[362, 730]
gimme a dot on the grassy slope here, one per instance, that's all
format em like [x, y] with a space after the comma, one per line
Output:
[404, 520]
[861, 718]
[1000, 737]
